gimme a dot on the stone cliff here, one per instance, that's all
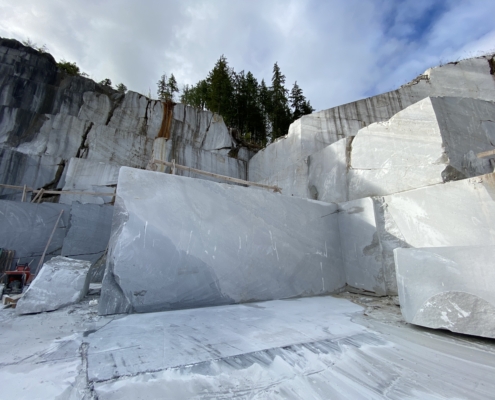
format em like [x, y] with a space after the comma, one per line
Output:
[59, 131]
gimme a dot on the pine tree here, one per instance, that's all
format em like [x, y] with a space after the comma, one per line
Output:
[106, 82]
[121, 88]
[162, 90]
[172, 87]
[300, 106]
[220, 90]
[280, 113]
[167, 88]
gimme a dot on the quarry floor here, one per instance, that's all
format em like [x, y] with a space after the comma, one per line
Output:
[334, 347]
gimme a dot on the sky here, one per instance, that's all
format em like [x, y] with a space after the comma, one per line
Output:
[338, 51]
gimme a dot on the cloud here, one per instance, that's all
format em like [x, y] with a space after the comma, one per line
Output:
[337, 51]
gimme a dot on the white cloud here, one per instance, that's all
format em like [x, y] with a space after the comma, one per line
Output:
[338, 51]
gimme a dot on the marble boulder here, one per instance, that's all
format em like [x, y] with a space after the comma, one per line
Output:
[179, 242]
[60, 282]
[448, 288]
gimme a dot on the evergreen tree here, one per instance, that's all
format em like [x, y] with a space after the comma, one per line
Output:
[121, 88]
[167, 88]
[162, 90]
[251, 108]
[300, 106]
[69, 67]
[172, 87]
[221, 90]
[279, 108]
[106, 82]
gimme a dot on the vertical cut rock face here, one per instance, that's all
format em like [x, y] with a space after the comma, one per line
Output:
[433, 141]
[460, 213]
[361, 250]
[26, 228]
[89, 232]
[448, 288]
[179, 242]
[469, 78]
[60, 282]
[48, 117]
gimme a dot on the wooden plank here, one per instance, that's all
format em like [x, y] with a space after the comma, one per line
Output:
[110, 194]
[38, 195]
[222, 177]
[24, 194]
[49, 241]
[486, 153]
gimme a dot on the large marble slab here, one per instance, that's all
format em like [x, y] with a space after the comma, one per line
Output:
[82, 175]
[179, 242]
[448, 288]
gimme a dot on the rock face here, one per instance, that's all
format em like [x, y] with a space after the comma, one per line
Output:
[83, 230]
[197, 243]
[89, 232]
[361, 250]
[433, 141]
[448, 288]
[83, 175]
[460, 213]
[60, 282]
[312, 133]
[50, 120]
[26, 228]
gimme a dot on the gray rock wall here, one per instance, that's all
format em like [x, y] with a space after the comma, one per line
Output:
[47, 113]
[469, 78]
[82, 232]
[433, 141]
[89, 232]
[179, 242]
[26, 228]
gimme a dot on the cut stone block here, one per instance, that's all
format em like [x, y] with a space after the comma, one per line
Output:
[458, 213]
[293, 180]
[448, 288]
[327, 180]
[361, 251]
[26, 228]
[433, 141]
[89, 232]
[184, 154]
[179, 243]
[469, 78]
[60, 282]
[89, 176]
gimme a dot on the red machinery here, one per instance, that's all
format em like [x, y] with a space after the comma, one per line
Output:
[16, 279]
